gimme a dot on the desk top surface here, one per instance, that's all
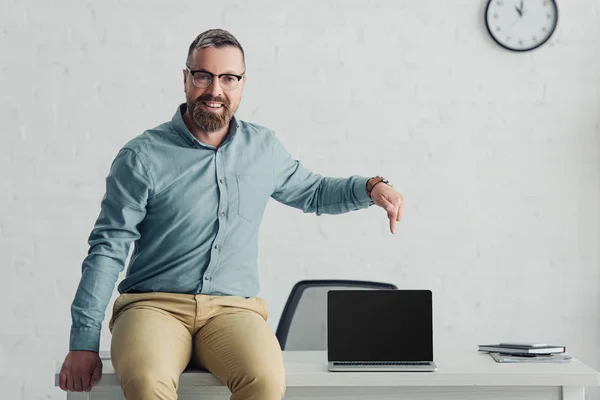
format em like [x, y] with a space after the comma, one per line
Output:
[459, 368]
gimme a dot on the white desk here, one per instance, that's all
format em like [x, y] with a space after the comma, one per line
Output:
[460, 376]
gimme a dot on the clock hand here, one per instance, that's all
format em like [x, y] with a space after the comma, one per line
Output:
[518, 11]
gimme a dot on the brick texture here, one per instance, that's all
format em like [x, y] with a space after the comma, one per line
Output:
[497, 154]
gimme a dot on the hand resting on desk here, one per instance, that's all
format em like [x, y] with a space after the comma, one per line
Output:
[80, 371]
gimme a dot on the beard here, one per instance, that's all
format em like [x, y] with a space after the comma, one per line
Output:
[207, 121]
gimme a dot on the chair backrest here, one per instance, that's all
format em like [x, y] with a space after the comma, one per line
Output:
[303, 322]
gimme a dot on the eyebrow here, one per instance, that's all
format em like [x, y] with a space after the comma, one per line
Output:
[230, 72]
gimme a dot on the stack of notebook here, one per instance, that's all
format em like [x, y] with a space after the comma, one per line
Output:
[526, 352]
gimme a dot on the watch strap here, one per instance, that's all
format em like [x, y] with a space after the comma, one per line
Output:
[374, 181]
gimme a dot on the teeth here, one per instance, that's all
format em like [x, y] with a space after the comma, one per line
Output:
[214, 105]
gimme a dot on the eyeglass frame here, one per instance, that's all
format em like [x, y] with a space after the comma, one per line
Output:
[212, 77]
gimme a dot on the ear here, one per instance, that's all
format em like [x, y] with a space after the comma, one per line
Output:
[243, 84]
[185, 75]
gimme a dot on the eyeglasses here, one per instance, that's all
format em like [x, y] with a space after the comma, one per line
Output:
[203, 79]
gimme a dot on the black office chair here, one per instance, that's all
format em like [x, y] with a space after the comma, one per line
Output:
[303, 322]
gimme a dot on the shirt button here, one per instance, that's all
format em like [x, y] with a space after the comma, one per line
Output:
[221, 180]
[216, 246]
[206, 278]
[222, 214]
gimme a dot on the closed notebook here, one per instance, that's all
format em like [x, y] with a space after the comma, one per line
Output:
[548, 358]
[523, 344]
[521, 349]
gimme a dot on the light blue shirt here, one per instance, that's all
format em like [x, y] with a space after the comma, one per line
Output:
[193, 211]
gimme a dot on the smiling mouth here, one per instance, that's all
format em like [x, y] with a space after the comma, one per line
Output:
[212, 105]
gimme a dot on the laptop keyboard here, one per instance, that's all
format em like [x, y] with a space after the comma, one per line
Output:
[377, 363]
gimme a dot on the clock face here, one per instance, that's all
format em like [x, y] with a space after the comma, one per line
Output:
[521, 25]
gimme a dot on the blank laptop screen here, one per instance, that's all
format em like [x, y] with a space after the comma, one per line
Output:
[379, 325]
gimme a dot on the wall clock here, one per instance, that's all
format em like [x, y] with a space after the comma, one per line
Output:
[521, 25]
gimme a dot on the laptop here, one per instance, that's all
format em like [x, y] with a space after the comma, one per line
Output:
[380, 330]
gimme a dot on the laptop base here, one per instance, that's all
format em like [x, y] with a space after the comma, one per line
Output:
[428, 366]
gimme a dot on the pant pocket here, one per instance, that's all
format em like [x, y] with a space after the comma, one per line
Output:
[264, 308]
[117, 308]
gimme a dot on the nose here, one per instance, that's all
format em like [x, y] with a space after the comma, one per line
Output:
[215, 88]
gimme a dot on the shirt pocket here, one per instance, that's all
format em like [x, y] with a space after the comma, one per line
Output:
[253, 193]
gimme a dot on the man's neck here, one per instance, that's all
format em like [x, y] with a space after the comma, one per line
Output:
[210, 138]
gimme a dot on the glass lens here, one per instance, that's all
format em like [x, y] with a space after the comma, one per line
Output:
[229, 82]
[202, 80]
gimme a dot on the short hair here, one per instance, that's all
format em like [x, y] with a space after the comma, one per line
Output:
[214, 38]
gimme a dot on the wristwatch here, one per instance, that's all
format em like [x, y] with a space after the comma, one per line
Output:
[374, 181]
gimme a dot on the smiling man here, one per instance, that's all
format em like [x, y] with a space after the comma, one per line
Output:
[191, 194]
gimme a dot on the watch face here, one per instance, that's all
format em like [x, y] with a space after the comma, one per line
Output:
[521, 25]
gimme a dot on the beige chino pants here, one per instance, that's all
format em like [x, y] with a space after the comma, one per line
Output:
[156, 335]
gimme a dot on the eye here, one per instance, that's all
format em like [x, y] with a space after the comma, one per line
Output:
[202, 77]
[230, 79]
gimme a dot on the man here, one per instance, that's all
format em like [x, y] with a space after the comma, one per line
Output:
[191, 193]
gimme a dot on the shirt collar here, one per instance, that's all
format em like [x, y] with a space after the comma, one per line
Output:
[185, 133]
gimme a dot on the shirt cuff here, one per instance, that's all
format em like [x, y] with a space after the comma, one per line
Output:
[360, 192]
[85, 339]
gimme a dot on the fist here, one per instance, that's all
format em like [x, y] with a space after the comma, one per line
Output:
[80, 371]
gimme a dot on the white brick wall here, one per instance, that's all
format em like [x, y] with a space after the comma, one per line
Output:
[498, 155]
